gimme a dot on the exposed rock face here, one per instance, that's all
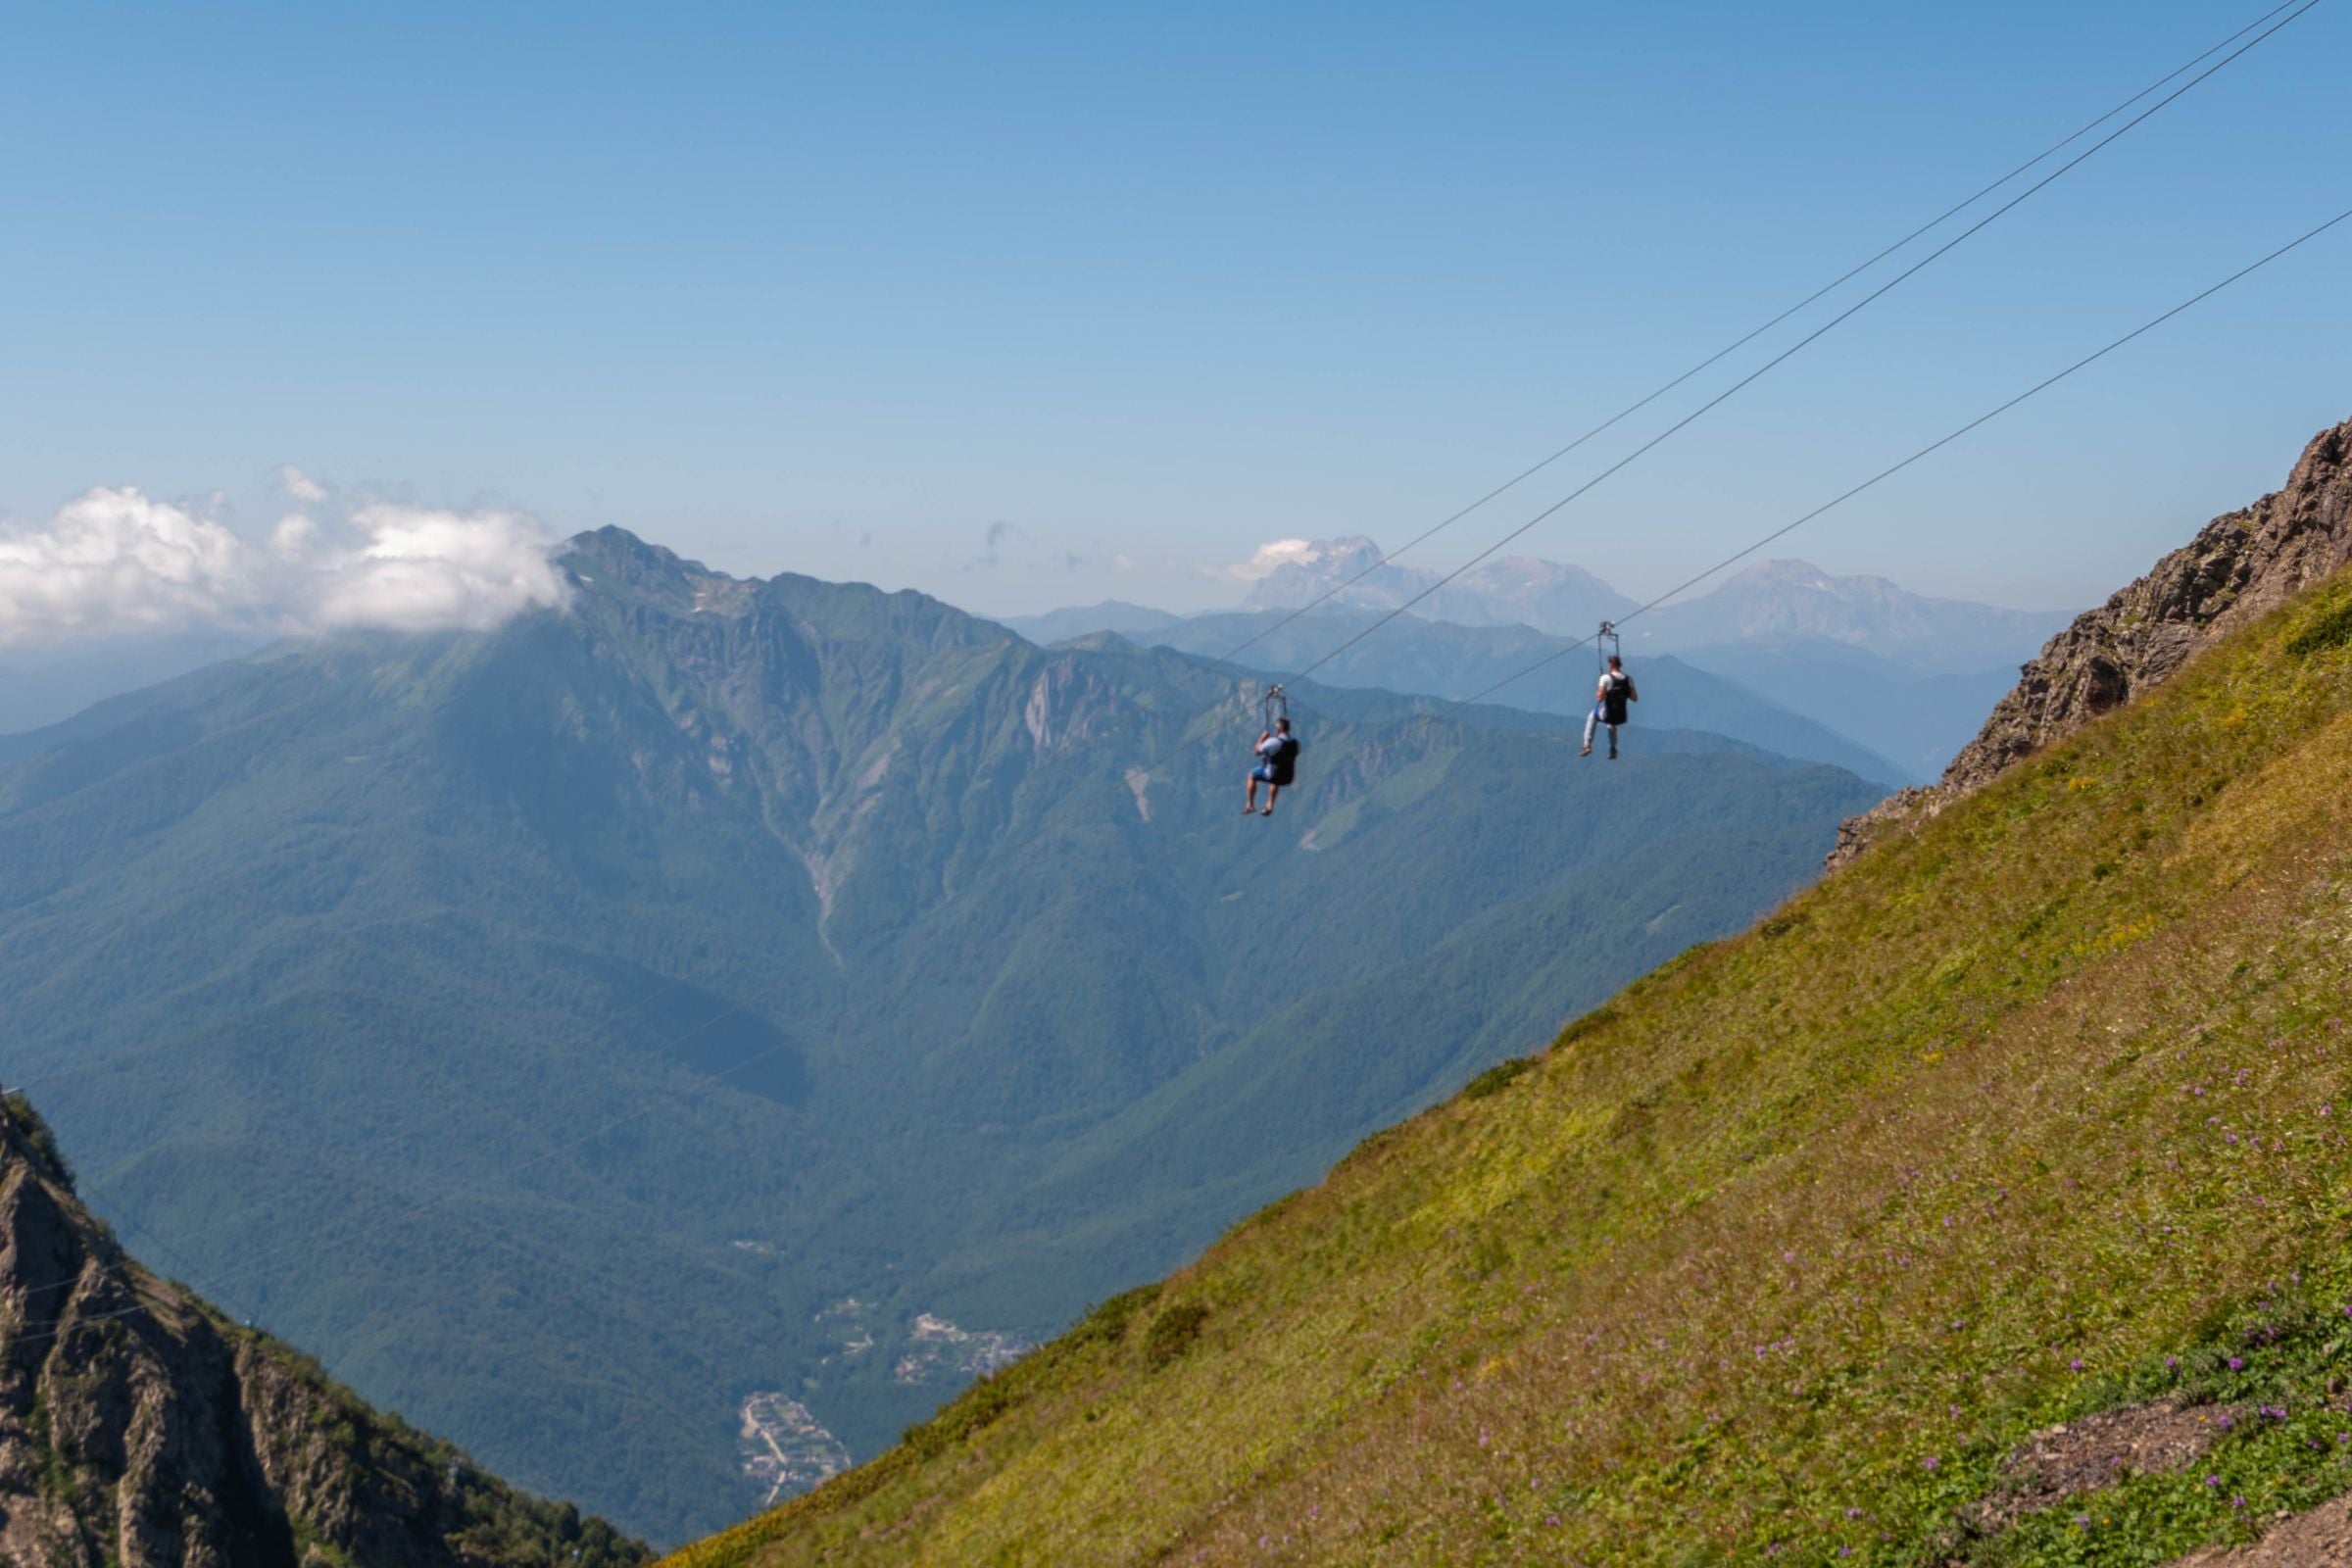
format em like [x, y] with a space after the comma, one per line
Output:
[2241, 565]
[139, 1429]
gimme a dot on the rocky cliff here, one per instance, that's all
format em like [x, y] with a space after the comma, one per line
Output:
[139, 1429]
[2240, 566]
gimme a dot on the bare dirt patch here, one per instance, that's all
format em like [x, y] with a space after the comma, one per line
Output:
[2319, 1538]
[2098, 1450]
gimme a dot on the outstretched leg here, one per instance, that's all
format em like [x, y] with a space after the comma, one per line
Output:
[1249, 796]
[1591, 719]
[1272, 790]
[1612, 743]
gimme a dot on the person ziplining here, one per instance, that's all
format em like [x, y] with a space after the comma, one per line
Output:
[1277, 752]
[1610, 695]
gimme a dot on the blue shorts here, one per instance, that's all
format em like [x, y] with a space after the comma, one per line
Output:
[1263, 772]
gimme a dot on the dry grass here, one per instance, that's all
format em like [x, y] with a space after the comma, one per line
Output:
[1779, 1253]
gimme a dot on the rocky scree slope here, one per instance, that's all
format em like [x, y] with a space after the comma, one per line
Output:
[1800, 1247]
[2240, 565]
[138, 1429]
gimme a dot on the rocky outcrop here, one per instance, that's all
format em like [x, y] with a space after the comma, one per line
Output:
[2241, 565]
[139, 1429]
[2321, 1538]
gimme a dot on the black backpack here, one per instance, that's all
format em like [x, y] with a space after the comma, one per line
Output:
[1283, 759]
[1616, 689]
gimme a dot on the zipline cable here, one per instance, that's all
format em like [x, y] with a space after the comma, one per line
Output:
[1802, 343]
[1750, 336]
[1886, 474]
[2295, 10]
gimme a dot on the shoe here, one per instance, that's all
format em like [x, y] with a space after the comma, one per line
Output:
[1269, 811]
[1612, 754]
[1587, 751]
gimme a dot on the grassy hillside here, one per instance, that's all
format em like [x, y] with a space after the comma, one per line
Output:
[1777, 1255]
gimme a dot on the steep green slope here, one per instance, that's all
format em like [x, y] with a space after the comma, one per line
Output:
[1776, 1256]
[384, 980]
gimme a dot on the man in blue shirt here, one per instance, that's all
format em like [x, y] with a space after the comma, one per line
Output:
[1277, 764]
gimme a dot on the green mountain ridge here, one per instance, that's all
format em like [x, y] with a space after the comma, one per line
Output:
[727, 995]
[1855, 1238]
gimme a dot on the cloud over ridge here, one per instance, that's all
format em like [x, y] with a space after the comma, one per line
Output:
[119, 562]
[1269, 558]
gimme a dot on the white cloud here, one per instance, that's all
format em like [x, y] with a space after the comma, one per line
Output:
[300, 485]
[1267, 558]
[292, 536]
[421, 569]
[115, 563]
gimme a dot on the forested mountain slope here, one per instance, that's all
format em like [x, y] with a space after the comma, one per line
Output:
[1797, 1250]
[139, 1427]
[673, 1043]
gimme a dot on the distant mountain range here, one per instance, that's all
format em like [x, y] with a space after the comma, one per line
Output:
[1891, 683]
[672, 1043]
[1433, 657]
[1514, 590]
[1851, 670]
[1775, 600]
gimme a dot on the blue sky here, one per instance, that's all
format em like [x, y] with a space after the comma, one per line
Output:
[838, 289]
